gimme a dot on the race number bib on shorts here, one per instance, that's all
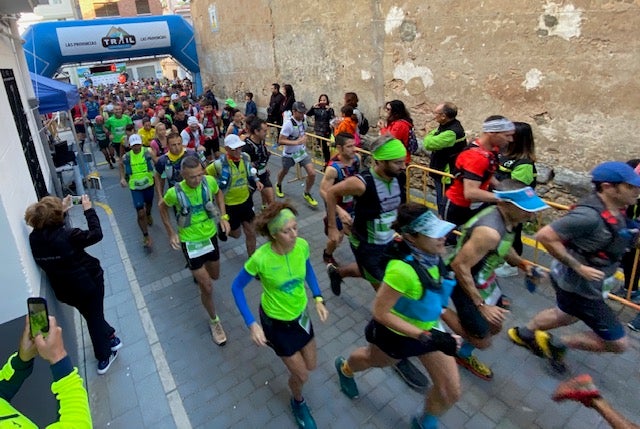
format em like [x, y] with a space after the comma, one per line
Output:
[305, 322]
[199, 248]
[299, 155]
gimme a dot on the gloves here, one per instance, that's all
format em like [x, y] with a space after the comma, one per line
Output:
[439, 340]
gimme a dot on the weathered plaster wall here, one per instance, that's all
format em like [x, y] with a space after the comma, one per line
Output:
[568, 67]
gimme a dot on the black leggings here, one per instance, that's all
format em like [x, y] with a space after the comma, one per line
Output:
[91, 307]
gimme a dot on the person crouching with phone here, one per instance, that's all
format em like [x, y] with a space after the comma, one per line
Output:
[75, 276]
[73, 407]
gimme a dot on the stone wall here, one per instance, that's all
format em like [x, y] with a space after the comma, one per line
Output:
[569, 67]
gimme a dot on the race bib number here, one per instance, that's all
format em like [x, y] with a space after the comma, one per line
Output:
[141, 183]
[208, 132]
[382, 228]
[491, 294]
[262, 170]
[305, 322]
[347, 199]
[199, 248]
[299, 155]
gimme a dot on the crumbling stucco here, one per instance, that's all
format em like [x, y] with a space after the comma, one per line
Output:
[568, 67]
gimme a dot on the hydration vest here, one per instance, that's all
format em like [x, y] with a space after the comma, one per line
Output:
[139, 169]
[192, 139]
[369, 208]
[428, 307]
[184, 213]
[344, 171]
[224, 172]
[612, 251]
[484, 271]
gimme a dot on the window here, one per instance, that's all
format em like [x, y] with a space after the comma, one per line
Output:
[142, 7]
[106, 9]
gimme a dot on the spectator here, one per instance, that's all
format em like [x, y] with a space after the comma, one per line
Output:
[322, 114]
[517, 162]
[76, 277]
[250, 107]
[398, 123]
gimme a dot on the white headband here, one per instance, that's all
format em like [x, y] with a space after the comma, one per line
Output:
[498, 126]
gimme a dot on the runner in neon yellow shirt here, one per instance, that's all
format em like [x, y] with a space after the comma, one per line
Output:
[193, 200]
[283, 266]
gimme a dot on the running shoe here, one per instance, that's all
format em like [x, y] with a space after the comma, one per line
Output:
[219, 337]
[279, 192]
[634, 325]
[335, 279]
[553, 350]
[309, 199]
[104, 365]
[506, 270]
[530, 343]
[115, 343]
[476, 367]
[411, 375]
[303, 416]
[580, 388]
[146, 241]
[415, 423]
[347, 384]
[328, 259]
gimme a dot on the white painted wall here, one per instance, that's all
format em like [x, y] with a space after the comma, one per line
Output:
[19, 275]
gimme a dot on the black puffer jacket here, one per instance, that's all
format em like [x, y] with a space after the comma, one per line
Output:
[59, 251]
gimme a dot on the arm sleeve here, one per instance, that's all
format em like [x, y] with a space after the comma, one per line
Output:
[82, 238]
[433, 141]
[12, 375]
[73, 403]
[312, 280]
[237, 288]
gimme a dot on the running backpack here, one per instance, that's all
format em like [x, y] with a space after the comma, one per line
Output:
[224, 172]
[184, 213]
[363, 126]
[412, 141]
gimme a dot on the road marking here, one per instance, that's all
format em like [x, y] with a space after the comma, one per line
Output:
[180, 417]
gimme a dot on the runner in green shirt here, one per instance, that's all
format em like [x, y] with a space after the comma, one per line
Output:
[116, 125]
[412, 298]
[283, 266]
[193, 200]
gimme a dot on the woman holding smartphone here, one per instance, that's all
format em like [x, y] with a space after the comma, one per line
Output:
[75, 276]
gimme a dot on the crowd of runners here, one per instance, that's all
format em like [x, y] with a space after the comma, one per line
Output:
[435, 299]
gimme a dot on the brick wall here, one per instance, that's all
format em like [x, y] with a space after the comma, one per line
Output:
[123, 7]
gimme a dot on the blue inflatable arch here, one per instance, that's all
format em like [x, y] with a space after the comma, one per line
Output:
[49, 45]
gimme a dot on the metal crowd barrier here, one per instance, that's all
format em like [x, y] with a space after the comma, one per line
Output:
[420, 195]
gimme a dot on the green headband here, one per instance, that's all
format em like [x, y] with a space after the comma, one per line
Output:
[279, 221]
[393, 149]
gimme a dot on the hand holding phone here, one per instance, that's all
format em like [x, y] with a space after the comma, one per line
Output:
[38, 316]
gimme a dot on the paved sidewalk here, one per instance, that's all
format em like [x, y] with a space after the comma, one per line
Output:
[170, 374]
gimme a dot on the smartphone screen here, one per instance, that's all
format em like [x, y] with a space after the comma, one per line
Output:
[38, 316]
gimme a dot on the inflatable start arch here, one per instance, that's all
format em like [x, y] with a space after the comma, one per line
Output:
[49, 45]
